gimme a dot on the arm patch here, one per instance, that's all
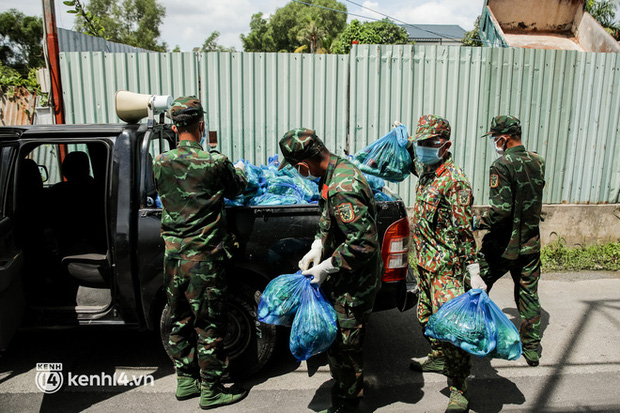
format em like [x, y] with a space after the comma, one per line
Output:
[346, 212]
[464, 197]
[494, 181]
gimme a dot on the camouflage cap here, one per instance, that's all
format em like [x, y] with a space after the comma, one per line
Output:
[299, 144]
[186, 110]
[504, 124]
[431, 126]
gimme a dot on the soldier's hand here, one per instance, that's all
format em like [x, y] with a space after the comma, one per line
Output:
[396, 123]
[320, 272]
[474, 277]
[240, 165]
[313, 256]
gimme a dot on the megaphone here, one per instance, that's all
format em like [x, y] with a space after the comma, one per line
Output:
[131, 107]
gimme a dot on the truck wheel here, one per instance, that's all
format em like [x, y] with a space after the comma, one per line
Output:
[249, 343]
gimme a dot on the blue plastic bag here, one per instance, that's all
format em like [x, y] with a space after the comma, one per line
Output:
[281, 298]
[465, 322]
[474, 323]
[387, 157]
[508, 339]
[314, 327]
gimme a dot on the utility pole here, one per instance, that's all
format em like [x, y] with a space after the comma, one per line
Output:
[53, 60]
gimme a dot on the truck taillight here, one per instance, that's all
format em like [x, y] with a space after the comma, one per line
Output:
[395, 251]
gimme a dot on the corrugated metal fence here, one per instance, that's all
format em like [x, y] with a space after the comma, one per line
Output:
[569, 102]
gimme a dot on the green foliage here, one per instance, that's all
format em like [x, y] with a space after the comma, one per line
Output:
[377, 32]
[91, 24]
[211, 45]
[11, 80]
[295, 25]
[472, 38]
[604, 11]
[21, 39]
[132, 22]
[558, 257]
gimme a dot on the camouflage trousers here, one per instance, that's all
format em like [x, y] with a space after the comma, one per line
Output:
[525, 272]
[435, 289]
[345, 356]
[196, 293]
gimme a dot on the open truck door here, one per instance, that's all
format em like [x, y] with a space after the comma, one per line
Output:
[11, 258]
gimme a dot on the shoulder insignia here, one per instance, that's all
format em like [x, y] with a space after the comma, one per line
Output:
[346, 212]
[494, 181]
[464, 197]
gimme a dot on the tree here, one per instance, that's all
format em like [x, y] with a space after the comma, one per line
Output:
[281, 32]
[211, 45]
[21, 41]
[377, 32]
[604, 12]
[311, 34]
[472, 38]
[132, 22]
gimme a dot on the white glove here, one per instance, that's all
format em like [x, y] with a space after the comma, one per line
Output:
[396, 123]
[320, 272]
[313, 256]
[475, 279]
[240, 165]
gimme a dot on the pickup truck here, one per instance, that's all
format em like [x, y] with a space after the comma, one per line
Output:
[88, 252]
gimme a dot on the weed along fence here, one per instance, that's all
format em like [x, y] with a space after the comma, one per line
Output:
[568, 102]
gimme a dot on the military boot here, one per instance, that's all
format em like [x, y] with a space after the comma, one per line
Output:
[187, 387]
[213, 396]
[429, 364]
[459, 401]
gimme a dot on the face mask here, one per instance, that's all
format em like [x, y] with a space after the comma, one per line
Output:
[203, 139]
[428, 155]
[499, 149]
[309, 177]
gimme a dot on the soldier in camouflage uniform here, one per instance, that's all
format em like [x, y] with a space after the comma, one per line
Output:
[345, 256]
[192, 185]
[445, 247]
[516, 183]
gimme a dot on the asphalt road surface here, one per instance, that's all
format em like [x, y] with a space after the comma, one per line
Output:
[579, 370]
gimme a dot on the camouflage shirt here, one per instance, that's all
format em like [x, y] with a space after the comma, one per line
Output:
[516, 183]
[348, 230]
[442, 219]
[192, 185]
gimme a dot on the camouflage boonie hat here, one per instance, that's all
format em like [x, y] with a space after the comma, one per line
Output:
[432, 126]
[504, 124]
[189, 106]
[299, 144]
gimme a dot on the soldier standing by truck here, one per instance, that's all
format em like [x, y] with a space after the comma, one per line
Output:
[445, 247]
[192, 185]
[516, 183]
[345, 256]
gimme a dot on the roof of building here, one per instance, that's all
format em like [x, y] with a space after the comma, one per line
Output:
[434, 31]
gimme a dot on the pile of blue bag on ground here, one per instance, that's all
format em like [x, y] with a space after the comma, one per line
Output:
[476, 324]
[268, 186]
[291, 301]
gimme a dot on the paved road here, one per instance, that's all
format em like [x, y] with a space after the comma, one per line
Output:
[579, 371]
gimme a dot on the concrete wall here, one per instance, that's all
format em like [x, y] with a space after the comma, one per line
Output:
[576, 224]
[535, 15]
[593, 37]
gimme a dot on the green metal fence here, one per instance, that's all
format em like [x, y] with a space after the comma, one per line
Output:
[568, 102]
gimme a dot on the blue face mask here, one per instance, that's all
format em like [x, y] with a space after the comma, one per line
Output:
[428, 155]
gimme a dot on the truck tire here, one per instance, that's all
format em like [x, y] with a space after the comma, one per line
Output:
[249, 343]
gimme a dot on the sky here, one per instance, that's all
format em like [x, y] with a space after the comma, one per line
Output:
[189, 22]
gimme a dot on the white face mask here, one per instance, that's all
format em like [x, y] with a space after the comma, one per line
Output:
[309, 177]
[500, 149]
[203, 139]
